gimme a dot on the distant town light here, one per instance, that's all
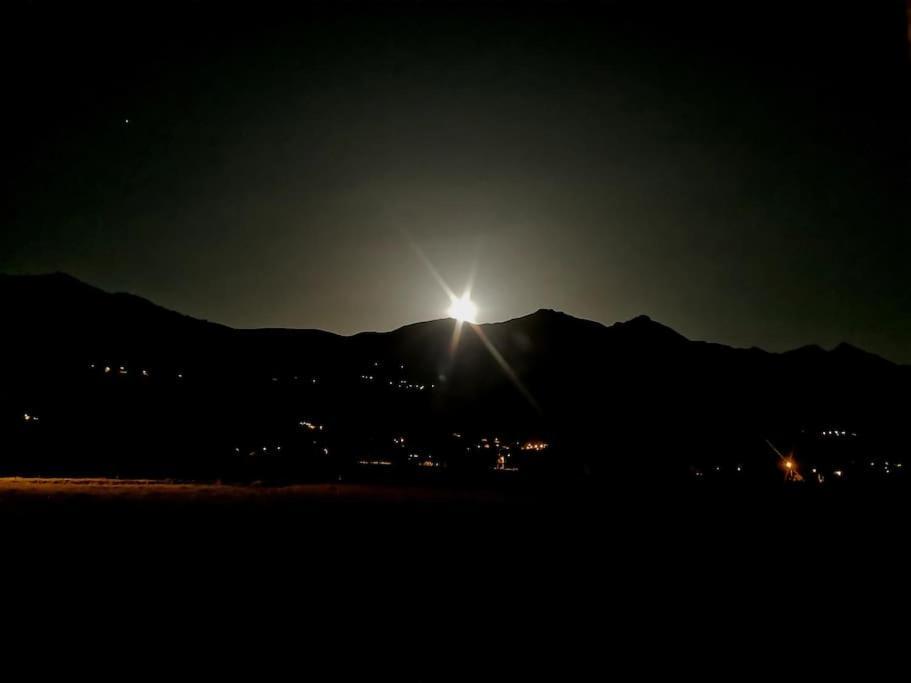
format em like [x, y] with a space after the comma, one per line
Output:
[534, 446]
[383, 463]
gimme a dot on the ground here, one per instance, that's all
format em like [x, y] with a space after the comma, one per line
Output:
[97, 490]
[357, 561]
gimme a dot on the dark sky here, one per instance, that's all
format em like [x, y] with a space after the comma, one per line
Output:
[741, 174]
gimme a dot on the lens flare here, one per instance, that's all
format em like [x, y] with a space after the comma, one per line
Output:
[463, 309]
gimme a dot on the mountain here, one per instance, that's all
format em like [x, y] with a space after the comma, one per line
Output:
[59, 314]
[633, 391]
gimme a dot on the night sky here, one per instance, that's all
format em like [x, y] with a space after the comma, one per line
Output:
[740, 174]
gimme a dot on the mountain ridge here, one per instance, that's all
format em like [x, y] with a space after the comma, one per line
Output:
[62, 283]
[123, 370]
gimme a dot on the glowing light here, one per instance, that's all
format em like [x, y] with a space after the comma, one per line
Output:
[463, 309]
[535, 446]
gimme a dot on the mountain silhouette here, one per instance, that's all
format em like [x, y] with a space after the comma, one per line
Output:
[634, 391]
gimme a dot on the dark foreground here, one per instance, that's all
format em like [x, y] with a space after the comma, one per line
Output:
[433, 577]
[626, 522]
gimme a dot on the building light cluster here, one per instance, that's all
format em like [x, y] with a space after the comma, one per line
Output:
[503, 463]
[294, 379]
[125, 371]
[491, 452]
[259, 451]
[396, 381]
[504, 455]
[405, 385]
[886, 466]
[717, 469]
[429, 462]
[836, 433]
[424, 460]
[534, 446]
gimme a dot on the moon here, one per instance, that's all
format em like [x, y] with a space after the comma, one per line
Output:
[463, 309]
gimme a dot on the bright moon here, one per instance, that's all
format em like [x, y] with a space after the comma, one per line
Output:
[463, 309]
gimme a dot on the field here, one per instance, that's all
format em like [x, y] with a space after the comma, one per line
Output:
[338, 552]
[66, 491]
